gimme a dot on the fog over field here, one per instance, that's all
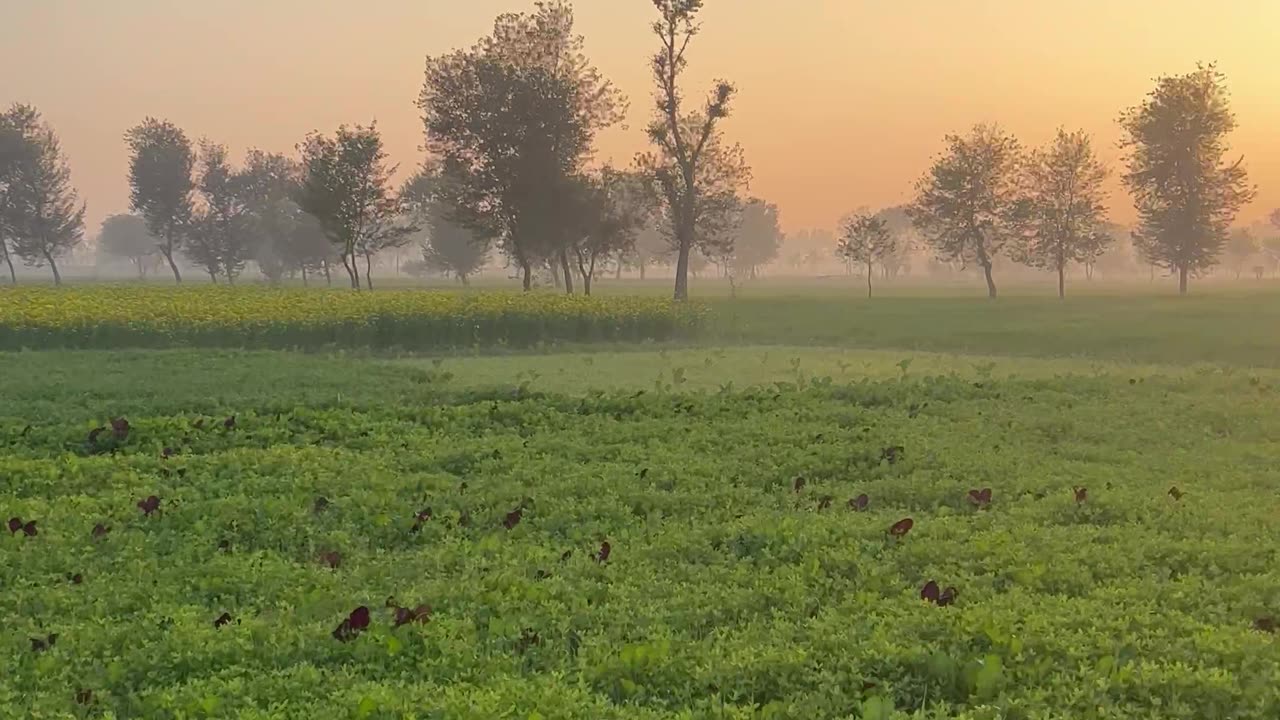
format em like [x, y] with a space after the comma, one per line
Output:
[658, 359]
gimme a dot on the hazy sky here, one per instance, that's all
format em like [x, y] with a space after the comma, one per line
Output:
[842, 101]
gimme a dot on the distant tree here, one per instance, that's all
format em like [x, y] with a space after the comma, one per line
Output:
[867, 240]
[1066, 210]
[898, 221]
[758, 238]
[222, 227]
[44, 218]
[512, 120]
[1240, 247]
[697, 173]
[346, 187]
[651, 246]
[1186, 194]
[160, 183]
[127, 236]
[447, 246]
[614, 209]
[267, 184]
[969, 204]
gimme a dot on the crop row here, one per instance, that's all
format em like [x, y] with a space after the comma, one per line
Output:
[158, 317]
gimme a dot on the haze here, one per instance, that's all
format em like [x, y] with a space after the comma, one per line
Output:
[842, 103]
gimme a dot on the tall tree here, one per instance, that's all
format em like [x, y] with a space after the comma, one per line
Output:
[969, 204]
[1186, 193]
[160, 183]
[1066, 207]
[758, 238]
[512, 120]
[15, 153]
[697, 173]
[221, 235]
[866, 240]
[346, 186]
[268, 182]
[126, 236]
[45, 218]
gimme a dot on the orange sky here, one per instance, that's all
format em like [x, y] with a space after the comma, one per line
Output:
[842, 101]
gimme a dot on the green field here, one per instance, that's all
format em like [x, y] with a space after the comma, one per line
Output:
[731, 589]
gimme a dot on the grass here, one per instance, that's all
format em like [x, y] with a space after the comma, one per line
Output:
[726, 593]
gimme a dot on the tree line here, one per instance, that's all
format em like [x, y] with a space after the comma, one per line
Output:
[510, 125]
[984, 196]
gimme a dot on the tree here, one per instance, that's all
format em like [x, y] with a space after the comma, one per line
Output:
[447, 246]
[127, 236]
[969, 204]
[15, 154]
[1186, 194]
[221, 231]
[612, 213]
[160, 183]
[44, 217]
[512, 120]
[1240, 247]
[267, 184]
[758, 238]
[1066, 211]
[866, 239]
[697, 173]
[346, 186]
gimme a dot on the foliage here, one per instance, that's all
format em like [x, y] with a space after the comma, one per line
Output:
[867, 240]
[126, 236]
[447, 246]
[969, 204]
[1240, 248]
[613, 208]
[758, 236]
[346, 187]
[220, 236]
[697, 174]
[107, 316]
[1186, 192]
[43, 218]
[1066, 220]
[724, 592]
[512, 120]
[161, 163]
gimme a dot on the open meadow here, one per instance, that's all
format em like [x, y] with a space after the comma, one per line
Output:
[794, 503]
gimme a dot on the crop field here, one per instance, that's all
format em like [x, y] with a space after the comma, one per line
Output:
[709, 530]
[134, 316]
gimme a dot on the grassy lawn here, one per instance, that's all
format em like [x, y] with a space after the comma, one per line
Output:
[731, 589]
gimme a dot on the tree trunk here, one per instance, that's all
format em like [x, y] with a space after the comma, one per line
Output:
[462, 277]
[682, 271]
[168, 255]
[304, 276]
[527, 271]
[991, 284]
[1182, 280]
[617, 273]
[213, 276]
[642, 266]
[869, 274]
[567, 272]
[353, 270]
[328, 278]
[57, 276]
[368, 271]
[555, 274]
[1062, 282]
[8, 259]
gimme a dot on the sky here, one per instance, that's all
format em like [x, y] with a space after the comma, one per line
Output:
[842, 102]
